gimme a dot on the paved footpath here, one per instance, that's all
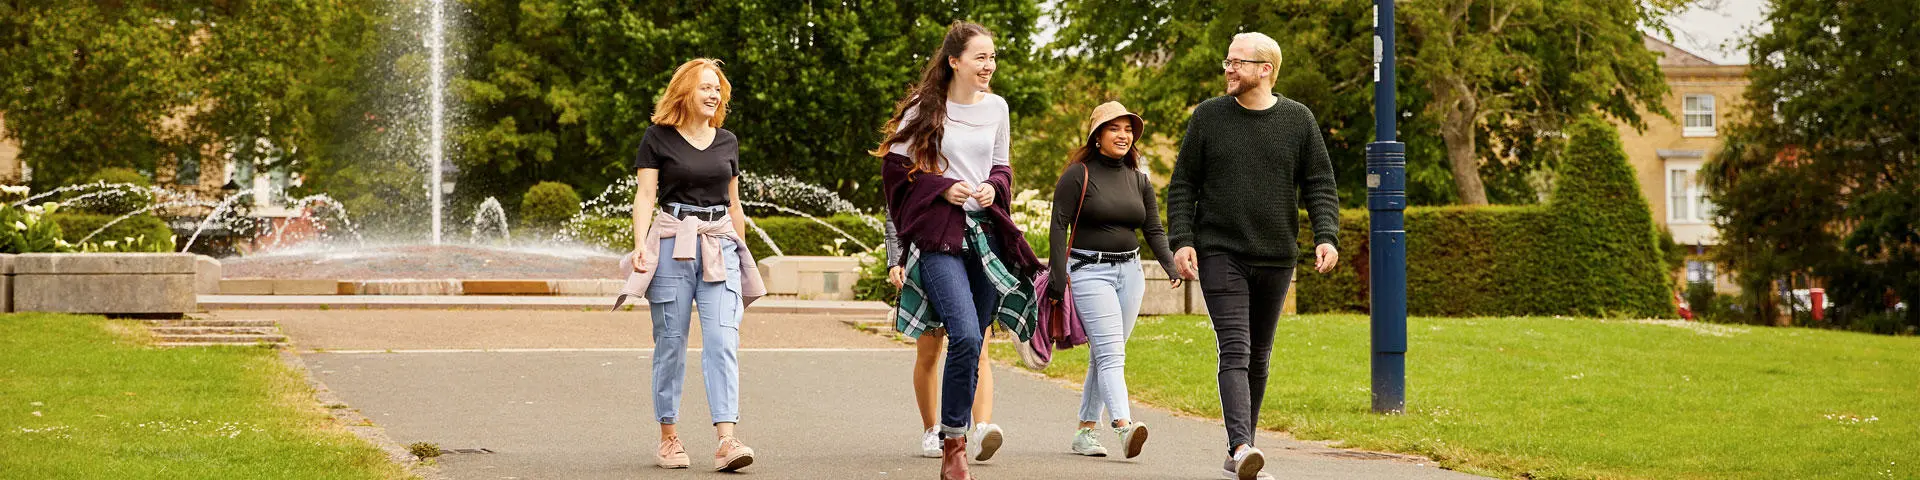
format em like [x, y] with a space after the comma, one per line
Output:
[564, 396]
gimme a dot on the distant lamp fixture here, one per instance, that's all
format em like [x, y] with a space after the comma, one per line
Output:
[230, 187]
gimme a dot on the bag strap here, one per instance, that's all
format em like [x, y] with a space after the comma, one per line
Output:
[1074, 228]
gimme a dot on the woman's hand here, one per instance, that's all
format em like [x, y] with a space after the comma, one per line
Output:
[984, 194]
[959, 193]
[1177, 282]
[639, 261]
[897, 275]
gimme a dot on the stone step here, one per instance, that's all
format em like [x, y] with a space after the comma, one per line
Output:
[214, 330]
[210, 344]
[227, 339]
[211, 323]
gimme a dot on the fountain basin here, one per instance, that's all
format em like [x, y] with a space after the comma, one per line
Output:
[426, 262]
[104, 283]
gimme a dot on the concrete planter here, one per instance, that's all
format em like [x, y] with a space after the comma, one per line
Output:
[6, 282]
[811, 278]
[1186, 300]
[105, 283]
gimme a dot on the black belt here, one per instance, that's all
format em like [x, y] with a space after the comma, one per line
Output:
[685, 213]
[1104, 257]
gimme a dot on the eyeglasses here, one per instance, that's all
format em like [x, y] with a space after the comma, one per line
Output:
[1234, 63]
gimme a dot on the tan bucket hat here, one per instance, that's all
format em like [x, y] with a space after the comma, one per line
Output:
[1109, 111]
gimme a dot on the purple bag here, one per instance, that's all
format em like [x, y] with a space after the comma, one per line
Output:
[1060, 325]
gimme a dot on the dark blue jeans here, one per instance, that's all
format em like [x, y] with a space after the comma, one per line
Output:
[965, 299]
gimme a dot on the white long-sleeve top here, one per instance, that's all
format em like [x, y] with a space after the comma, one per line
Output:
[977, 138]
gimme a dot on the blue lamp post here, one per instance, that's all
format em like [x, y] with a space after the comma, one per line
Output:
[1387, 204]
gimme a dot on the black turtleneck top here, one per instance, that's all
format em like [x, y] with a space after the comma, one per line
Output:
[1119, 201]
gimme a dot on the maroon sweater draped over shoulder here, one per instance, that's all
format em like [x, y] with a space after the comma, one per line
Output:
[928, 221]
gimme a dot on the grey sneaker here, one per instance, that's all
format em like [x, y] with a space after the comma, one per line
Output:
[1245, 465]
[1133, 437]
[987, 437]
[1085, 443]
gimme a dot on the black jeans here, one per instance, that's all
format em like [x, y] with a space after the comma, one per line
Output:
[1244, 301]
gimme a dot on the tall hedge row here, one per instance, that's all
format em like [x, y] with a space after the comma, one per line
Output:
[1593, 251]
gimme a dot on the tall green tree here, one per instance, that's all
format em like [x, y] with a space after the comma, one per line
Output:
[92, 85]
[86, 84]
[1172, 50]
[1821, 173]
[562, 89]
[1513, 70]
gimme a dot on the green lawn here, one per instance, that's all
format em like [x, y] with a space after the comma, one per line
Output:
[81, 398]
[1571, 398]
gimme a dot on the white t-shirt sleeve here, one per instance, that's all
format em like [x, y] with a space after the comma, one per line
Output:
[905, 117]
[1002, 138]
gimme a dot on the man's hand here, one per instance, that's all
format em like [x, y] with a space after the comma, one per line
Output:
[959, 193]
[1185, 261]
[1325, 257]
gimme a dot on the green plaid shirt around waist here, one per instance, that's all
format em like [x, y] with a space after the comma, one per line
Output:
[1017, 308]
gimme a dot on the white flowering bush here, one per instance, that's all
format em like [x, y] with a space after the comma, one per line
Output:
[22, 229]
[1034, 215]
[138, 243]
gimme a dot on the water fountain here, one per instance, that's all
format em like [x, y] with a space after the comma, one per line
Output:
[285, 248]
[436, 86]
[776, 193]
[489, 215]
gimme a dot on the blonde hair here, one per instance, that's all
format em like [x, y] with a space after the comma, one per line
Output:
[676, 104]
[1264, 48]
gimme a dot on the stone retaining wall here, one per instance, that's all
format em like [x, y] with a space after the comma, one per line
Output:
[103, 283]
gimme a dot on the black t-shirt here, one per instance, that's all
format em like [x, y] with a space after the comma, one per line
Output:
[690, 175]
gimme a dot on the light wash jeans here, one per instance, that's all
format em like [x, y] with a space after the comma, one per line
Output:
[676, 287]
[1107, 296]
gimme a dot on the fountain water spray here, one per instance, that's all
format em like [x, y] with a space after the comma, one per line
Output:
[436, 88]
[489, 214]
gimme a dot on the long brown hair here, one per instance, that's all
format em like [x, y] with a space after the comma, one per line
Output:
[928, 99]
[1091, 147]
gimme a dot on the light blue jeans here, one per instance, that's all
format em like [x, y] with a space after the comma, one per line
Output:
[675, 289]
[1107, 296]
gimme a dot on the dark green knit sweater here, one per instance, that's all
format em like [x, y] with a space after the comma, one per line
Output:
[1242, 177]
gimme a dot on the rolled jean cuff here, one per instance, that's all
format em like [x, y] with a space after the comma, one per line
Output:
[952, 432]
[666, 420]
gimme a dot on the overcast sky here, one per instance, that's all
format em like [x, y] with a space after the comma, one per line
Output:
[1714, 29]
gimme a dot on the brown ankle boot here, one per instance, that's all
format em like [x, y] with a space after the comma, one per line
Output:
[953, 459]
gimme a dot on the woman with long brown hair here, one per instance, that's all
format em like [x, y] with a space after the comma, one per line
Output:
[946, 173]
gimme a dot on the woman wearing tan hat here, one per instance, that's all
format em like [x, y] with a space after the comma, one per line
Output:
[1100, 201]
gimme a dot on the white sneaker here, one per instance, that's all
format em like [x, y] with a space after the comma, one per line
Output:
[930, 443]
[1085, 443]
[987, 437]
[1133, 437]
[1246, 465]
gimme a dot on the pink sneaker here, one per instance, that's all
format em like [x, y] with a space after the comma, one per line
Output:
[732, 455]
[672, 454]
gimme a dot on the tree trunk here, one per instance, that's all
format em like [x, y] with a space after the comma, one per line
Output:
[1457, 129]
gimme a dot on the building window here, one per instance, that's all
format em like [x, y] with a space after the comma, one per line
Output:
[1699, 116]
[1686, 198]
[1699, 271]
[189, 171]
